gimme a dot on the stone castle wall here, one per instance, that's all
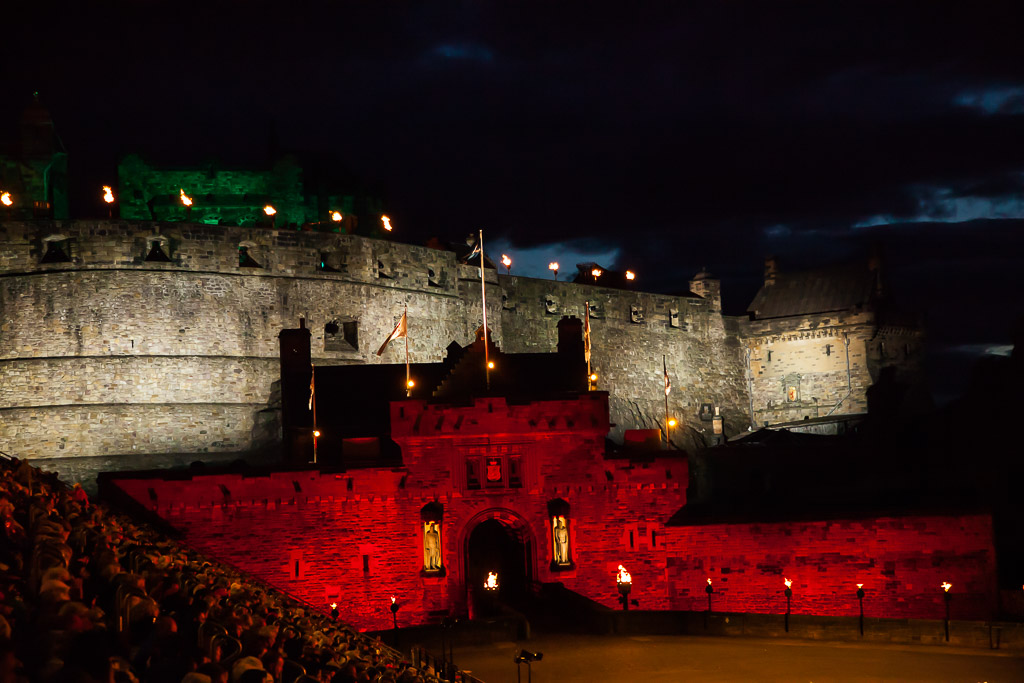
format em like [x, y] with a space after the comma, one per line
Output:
[115, 337]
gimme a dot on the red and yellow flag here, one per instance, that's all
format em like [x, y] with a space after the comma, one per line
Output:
[401, 330]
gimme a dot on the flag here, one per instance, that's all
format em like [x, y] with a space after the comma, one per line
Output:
[586, 332]
[312, 390]
[475, 252]
[668, 382]
[399, 331]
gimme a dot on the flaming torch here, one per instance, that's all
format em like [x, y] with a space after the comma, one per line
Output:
[108, 197]
[334, 611]
[630, 275]
[186, 201]
[394, 612]
[5, 199]
[946, 585]
[336, 216]
[789, 597]
[507, 262]
[491, 583]
[625, 584]
[596, 272]
[860, 598]
[387, 222]
[553, 267]
[272, 213]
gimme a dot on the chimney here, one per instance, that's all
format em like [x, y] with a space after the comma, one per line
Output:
[771, 269]
[570, 337]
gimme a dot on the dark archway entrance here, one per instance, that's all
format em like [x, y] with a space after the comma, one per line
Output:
[493, 546]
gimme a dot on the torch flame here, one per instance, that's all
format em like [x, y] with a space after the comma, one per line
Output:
[946, 586]
[789, 583]
[387, 222]
[553, 265]
[336, 216]
[5, 198]
[392, 599]
[860, 585]
[623, 576]
[269, 210]
[506, 261]
[185, 199]
[596, 272]
[630, 275]
[334, 605]
[492, 581]
[108, 194]
[709, 580]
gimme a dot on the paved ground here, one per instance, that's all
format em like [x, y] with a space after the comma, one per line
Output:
[664, 659]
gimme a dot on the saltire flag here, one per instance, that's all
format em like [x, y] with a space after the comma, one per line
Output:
[586, 332]
[668, 382]
[401, 330]
[475, 252]
[312, 389]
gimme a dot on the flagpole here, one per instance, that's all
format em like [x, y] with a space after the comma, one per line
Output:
[312, 396]
[483, 303]
[586, 341]
[668, 434]
[408, 387]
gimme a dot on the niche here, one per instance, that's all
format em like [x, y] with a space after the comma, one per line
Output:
[341, 335]
[57, 249]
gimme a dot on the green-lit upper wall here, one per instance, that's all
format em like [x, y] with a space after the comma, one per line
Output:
[35, 169]
[220, 195]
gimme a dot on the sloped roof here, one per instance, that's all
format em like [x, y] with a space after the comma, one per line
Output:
[814, 291]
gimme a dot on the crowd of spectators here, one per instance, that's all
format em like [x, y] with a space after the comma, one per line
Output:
[91, 595]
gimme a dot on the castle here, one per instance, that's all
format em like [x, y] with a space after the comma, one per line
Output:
[136, 337]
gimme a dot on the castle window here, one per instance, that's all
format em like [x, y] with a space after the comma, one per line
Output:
[550, 305]
[323, 263]
[435, 280]
[341, 336]
[673, 317]
[156, 252]
[58, 249]
[636, 314]
[381, 272]
[245, 259]
[828, 349]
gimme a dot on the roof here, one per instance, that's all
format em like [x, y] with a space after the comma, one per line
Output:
[815, 291]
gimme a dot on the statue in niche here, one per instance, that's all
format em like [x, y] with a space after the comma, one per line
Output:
[560, 534]
[431, 546]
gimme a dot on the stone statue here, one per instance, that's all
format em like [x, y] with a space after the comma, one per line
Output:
[431, 546]
[561, 536]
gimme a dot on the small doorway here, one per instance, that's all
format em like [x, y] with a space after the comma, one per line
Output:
[493, 546]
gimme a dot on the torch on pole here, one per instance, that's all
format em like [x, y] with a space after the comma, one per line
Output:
[945, 594]
[860, 598]
[709, 590]
[789, 597]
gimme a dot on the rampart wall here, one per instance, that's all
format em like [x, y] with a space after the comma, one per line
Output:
[94, 348]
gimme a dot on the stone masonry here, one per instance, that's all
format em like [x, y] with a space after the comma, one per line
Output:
[110, 353]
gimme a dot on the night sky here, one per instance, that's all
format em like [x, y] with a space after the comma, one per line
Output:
[660, 137]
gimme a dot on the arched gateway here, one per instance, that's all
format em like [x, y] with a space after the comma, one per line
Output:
[499, 541]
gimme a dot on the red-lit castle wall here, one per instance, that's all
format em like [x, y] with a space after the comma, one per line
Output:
[902, 562]
[356, 538]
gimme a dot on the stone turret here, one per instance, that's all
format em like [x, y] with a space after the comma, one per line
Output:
[708, 287]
